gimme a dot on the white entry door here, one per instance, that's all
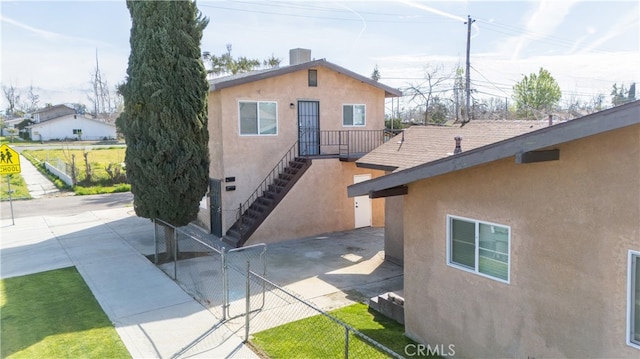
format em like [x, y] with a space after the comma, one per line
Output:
[362, 205]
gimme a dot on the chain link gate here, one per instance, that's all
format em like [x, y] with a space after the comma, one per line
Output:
[232, 285]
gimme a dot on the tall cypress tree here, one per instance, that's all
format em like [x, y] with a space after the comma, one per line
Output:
[165, 117]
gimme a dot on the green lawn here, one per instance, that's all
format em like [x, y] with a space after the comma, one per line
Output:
[54, 315]
[101, 161]
[319, 337]
[18, 187]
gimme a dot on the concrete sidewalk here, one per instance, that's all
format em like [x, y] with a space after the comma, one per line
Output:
[154, 317]
[37, 184]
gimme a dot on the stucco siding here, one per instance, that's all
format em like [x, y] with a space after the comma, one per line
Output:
[250, 158]
[572, 222]
[393, 230]
[315, 205]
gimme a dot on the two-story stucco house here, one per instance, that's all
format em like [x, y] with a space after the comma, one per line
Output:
[283, 142]
[528, 247]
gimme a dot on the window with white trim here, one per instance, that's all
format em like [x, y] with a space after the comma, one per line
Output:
[479, 247]
[633, 304]
[258, 117]
[353, 115]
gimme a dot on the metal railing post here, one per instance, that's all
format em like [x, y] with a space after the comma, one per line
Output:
[247, 304]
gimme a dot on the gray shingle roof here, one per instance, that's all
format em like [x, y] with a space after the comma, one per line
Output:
[607, 120]
[424, 144]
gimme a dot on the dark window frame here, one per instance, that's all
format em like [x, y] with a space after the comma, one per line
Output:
[313, 77]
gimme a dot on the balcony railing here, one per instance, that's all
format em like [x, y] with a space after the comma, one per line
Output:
[347, 145]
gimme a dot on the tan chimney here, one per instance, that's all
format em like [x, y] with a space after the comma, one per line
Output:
[299, 56]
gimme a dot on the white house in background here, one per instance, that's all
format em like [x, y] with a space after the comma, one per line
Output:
[11, 124]
[72, 126]
[51, 112]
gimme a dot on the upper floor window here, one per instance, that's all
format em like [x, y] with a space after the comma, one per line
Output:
[258, 117]
[633, 304]
[479, 247]
[313, 78]
[353, 115]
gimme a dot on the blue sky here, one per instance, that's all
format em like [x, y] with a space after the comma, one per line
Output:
[586, 45]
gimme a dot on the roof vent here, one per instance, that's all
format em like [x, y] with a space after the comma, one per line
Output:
[299, 56]
[458, 146]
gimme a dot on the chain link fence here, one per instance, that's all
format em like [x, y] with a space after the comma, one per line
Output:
[232, 285]
[291, 327]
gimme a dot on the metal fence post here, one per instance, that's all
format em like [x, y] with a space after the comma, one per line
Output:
[346, 342]
[225, 283]
[175, 253]
[247, 304]
[155, 240]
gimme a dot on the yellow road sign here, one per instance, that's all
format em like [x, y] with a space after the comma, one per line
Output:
[9, 161]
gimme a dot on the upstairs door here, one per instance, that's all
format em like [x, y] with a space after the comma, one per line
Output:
[309, 128]
[362, 205]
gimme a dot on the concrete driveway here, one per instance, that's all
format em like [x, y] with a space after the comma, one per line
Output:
[108, 247]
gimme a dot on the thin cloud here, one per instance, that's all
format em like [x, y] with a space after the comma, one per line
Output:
[617, 29]
[364, 23]
[40, 32]
[440, 13]
[542, 22]
[48, 35]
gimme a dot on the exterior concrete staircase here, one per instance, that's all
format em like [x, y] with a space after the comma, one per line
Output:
[266, 198]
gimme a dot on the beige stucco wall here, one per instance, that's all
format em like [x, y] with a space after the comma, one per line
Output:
[250, 158]
[572, 224]
[315, 205]
[393, 230]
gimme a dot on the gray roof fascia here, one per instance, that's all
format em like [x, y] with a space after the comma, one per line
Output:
[51, 108]
[230, 81]
[599, 122]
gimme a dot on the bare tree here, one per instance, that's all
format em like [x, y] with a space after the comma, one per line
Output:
[13, 98]
[425, 92]
[104, 101]
[32, 100]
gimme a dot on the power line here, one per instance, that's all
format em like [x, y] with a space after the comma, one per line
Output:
[315, 8]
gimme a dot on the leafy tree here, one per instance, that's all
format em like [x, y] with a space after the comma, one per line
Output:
[536, 94]
[458, 93]
[165, 117]
[227, 64]
[375, 75]
[393, 124]
[272, 62]
[620, 95]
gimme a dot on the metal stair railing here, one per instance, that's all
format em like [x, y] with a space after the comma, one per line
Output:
[289, 156]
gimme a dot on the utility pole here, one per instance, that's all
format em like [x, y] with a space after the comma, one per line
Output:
[467, 72]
